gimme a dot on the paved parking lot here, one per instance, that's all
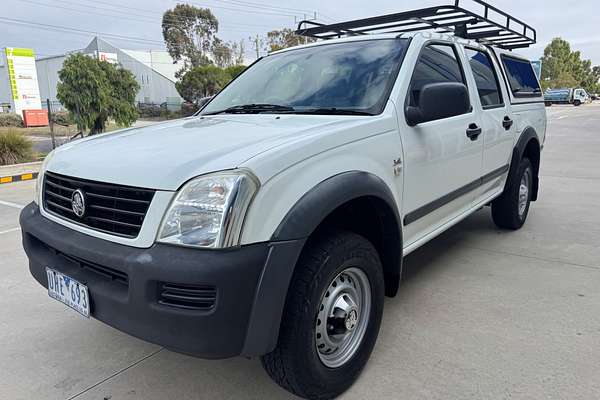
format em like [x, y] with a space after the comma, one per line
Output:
[483, 314]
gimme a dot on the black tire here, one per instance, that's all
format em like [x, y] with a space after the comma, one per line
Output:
[505, 209]
[577, 103]
[295, 363]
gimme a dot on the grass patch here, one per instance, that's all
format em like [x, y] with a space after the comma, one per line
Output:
[15, 148]
[59, 130]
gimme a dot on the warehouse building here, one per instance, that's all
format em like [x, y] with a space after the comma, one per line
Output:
[153, 69]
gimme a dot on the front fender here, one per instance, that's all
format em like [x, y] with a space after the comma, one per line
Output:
[288, 240]
[328, 195]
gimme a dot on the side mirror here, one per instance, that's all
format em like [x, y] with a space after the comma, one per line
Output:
[439, 101]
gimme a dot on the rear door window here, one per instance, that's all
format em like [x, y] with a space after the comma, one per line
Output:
[522, 79]
[487, 82]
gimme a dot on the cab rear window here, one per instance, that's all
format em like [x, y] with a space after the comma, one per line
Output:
[522, 79]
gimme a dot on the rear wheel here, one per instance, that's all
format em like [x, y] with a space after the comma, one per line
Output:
[510, 210]
[331, 318]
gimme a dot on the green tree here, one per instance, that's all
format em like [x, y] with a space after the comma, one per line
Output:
[284, 38]
[222, 54]
[94, 91]
[123, 90]
[596, 79]
[563, 67]
[202, 82]
[239, 52]
[234, 71]
[189, 34]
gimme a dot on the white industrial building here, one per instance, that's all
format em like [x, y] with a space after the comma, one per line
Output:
[153, 69]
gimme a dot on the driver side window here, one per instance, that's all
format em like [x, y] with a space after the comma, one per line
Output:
[437, 63]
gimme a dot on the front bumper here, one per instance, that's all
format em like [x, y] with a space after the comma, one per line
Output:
[125, 287]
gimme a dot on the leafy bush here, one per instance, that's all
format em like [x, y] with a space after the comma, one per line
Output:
[234, 71]
[14, 148]
[188, 109]
[202, 82]
[146, 110]
[62, 118]
[11, 120]
[95, 91]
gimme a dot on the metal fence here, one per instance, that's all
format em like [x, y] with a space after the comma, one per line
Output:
[55, 105]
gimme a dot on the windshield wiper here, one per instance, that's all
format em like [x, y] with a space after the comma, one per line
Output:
[332, 111]
[253, 109]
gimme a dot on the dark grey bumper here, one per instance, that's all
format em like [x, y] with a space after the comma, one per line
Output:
[125, 284]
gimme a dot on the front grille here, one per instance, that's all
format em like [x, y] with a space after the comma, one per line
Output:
[106, 272]
[190, 297]
[114, 209]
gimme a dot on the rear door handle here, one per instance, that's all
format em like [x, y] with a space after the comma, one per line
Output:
[507, 123]
[473, 132]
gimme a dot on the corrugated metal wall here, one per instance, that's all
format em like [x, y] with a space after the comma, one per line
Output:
[154, 87]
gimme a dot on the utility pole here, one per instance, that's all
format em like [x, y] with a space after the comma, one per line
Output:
[51, 123]
[257, 45]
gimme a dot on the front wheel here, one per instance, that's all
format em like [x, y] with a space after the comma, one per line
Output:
[509, 211]
[331, 317]
[577, 103]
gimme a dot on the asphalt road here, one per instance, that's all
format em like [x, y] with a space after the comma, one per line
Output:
[483, 314]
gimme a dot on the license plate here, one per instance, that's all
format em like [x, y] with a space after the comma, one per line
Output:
[68, 291]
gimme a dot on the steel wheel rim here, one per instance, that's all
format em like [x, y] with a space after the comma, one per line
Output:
[343, 317]
[524, 192]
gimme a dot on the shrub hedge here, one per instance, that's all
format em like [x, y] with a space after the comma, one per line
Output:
[15, 148]
[11, 120]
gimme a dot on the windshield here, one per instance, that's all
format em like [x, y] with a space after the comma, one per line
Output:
[343, 78]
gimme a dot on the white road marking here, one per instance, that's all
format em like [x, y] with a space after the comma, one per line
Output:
[9, 204]
[563, 117]
[10, 230]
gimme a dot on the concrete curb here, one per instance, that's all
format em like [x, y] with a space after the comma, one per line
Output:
[19, 172]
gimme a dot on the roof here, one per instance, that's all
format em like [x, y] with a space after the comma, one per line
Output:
[158, 60]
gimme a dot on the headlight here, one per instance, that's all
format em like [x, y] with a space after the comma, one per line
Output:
[209, 211]
[38, 187]
[40, 178]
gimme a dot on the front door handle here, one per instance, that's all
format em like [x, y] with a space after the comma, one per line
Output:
[507, 123]
[473, 132]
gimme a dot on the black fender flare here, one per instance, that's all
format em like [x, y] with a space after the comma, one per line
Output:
[321, 200]
[312, 209]
[288, 240]
[526, 136]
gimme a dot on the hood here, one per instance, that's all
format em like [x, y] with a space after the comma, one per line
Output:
[166, 155]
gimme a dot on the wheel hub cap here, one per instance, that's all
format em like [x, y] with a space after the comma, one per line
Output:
[351, 320]
[343, 317]
[524, 193]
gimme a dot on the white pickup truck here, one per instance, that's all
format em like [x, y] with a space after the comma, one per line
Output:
[274, 222]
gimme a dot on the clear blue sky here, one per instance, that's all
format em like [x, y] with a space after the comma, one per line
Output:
[576, 21]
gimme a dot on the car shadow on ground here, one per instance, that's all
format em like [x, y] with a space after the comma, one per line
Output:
[245, 378]
[426, 258]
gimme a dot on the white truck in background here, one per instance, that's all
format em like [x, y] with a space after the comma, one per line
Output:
[575, 96]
